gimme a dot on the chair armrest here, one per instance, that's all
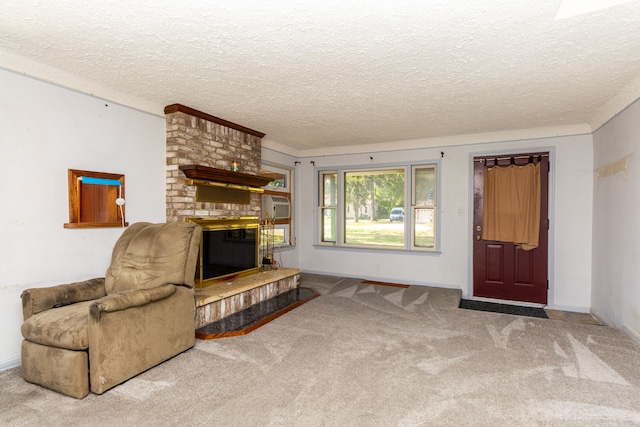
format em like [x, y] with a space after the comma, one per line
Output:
[129, 341]
[123, 300]
[36, 300]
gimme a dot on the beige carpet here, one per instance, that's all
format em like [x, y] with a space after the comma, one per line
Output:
[368, 355]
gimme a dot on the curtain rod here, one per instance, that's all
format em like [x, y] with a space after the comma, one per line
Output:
[485, 158]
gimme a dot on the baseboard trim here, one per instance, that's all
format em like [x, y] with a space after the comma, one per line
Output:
[10, 363]
[631, 332]
[602, 319]
[570, 308]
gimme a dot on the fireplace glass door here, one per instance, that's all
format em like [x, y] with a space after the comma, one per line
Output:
[228, 248]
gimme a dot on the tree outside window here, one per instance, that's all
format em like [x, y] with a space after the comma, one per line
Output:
[372, 195]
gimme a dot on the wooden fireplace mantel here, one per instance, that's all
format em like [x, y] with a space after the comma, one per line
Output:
[175, 108]
[224, 176]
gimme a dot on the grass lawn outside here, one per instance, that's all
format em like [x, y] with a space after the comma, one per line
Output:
[379, 233]
[383, 233]
[386, 233]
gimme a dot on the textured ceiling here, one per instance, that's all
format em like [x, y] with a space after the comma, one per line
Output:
[327, 73]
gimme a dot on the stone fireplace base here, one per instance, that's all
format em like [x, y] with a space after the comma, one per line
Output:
[231, 296]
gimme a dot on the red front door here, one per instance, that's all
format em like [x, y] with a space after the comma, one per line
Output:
[503, 270]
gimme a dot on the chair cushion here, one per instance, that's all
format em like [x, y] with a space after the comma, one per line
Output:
[63, 327]
[150, 255]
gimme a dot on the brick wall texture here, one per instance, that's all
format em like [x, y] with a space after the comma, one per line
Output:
[193, 140]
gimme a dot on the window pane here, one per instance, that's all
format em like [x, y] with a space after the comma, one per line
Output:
[278, 237]
[279, 179]
[370, 196]
[424, 227]
[425, 186]
[329, 189]
[329, 225]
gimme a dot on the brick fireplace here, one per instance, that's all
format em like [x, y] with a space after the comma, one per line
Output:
[194, 137]
[197, 138]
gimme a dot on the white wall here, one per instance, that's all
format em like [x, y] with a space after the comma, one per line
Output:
[616, 224]
[47, 130]
[570, 237]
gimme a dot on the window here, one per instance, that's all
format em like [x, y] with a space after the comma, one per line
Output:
[387, 208]
[328, 207]
[280, 178]
[423, 207]
[372, 195]
[278, 236]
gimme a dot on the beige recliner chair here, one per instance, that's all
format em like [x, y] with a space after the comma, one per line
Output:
[98, 333]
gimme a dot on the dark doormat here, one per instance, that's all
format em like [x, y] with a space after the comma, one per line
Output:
[503, 308]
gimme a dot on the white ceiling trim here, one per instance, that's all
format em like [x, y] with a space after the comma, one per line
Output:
[46, 73]
[449, 141]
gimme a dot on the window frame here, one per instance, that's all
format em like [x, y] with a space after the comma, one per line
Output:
[287, 236]
[283, 224]
[415, 206]
[287, 173]
[409, 206]
[322, 207]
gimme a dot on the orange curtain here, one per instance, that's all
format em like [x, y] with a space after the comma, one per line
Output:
[511, 207]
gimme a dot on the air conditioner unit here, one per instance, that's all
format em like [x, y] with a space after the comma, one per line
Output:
[275, 207]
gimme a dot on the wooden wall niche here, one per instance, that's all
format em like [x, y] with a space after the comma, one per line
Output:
[92, 199]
